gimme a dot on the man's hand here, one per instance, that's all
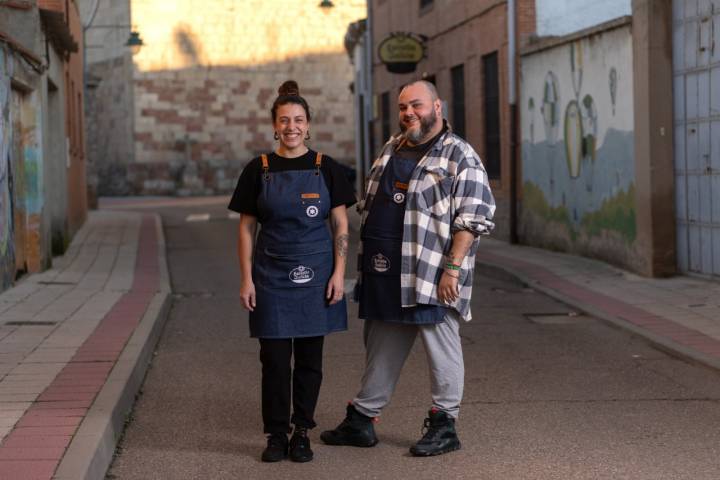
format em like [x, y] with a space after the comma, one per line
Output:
[247, 295]
[448, 290]
[335, 288]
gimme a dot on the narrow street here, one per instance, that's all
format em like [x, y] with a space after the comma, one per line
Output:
[547, 395]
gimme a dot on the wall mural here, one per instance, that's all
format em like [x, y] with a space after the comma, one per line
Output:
[579, 176]
[551, 107]
[613, 87]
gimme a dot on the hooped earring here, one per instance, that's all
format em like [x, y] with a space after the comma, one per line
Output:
[276, 136]
[307, 135]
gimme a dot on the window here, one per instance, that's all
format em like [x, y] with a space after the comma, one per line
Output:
[71, 113]
[491, 114]
[457, 75]
[79, 120]
[385, 115]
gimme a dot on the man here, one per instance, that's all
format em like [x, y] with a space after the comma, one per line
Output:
[426, 203]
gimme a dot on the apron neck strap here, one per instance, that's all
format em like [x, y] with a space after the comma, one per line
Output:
[318, 162]
[265, 166]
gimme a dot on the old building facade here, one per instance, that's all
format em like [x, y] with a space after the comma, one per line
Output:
[466, 57]
[185, 114]
[605, 165]
[42, 180]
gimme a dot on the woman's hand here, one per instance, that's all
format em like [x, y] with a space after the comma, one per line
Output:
[247, 295]
[448, 290]
[335, 288]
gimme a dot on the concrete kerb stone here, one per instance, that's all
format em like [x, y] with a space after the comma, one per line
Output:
[92, 448]
[662, 343]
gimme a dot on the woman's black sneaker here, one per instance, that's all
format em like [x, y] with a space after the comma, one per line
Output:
[300, 446]
[277, 448]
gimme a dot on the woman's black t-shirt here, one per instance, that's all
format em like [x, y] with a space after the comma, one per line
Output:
[244, 199]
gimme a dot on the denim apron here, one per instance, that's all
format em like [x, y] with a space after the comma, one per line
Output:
[294, 257]
[382, 236]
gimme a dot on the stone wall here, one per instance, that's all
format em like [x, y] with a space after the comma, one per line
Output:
[110, 147]
[204, 83]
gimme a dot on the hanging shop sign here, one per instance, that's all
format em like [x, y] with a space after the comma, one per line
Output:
[402, 51]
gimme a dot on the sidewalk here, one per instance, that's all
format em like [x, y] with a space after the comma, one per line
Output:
[679, 314]
[75, 342]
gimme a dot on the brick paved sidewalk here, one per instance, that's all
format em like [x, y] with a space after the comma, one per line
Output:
[680, 313]
[64, 336]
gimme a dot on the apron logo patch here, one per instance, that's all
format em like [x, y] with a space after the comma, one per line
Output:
[310, 195]
[312, 211]
[399, 197]
[401, 185]
[380, 263]
[301, 274]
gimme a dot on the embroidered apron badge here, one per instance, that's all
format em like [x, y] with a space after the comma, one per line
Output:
[380, 263]
[399, 197]
[301, 274]
[311, 211]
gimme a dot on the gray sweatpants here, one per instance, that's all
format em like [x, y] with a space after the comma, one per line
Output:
[388, 345]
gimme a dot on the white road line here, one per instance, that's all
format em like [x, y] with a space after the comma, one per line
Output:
[233, 215]
[198, 217]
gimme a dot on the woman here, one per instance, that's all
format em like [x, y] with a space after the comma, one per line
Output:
[293, 279]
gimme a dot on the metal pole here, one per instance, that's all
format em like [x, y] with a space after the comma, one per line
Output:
[369, 153]
[512, 100]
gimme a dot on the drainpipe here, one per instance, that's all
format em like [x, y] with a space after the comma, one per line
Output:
[368, 97]
[512, 100]
[85, 27]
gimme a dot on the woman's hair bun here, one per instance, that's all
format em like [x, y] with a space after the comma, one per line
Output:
[289, 88]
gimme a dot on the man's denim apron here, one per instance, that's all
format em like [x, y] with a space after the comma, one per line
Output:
[382, 251]
[294, 257]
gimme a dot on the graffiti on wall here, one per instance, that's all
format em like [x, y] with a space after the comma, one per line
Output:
[580, 175]
[7, 262]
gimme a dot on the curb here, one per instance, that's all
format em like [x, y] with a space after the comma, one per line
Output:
[662, 343]
[92, 448]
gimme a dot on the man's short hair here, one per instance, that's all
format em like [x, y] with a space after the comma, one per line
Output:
[429, 86]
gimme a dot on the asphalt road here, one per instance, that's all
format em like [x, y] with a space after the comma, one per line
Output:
[546, 396]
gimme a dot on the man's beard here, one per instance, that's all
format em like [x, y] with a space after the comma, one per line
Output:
[426, 124]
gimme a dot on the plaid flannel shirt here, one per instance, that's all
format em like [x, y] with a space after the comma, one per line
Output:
[448, 192]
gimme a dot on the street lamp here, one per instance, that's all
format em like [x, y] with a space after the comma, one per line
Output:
[134, 42]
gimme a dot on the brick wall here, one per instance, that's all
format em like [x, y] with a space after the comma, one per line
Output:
[204, 82]
[459, 32]
[526, 20]
[110, 146]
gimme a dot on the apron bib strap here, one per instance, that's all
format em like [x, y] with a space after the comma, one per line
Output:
[318, 162]
[265, 167]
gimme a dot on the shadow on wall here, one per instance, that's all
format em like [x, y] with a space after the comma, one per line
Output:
[188, 45]
[190, 131]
